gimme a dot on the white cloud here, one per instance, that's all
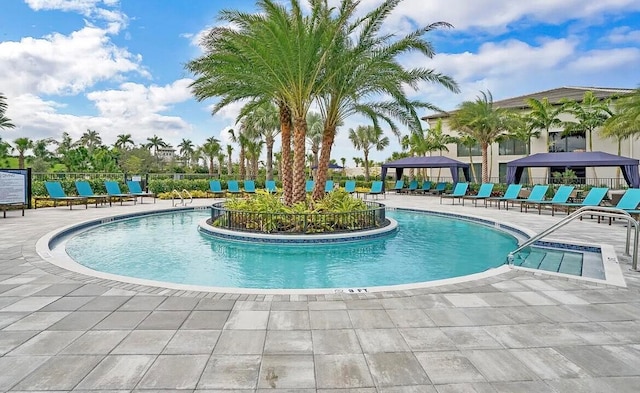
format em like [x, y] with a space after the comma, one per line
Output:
[63, 64]
[87, 8]
[624, 35]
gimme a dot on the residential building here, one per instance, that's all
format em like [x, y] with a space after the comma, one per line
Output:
[553, 141]
[166, 154]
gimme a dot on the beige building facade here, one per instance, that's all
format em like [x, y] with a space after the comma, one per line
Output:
[553, 141]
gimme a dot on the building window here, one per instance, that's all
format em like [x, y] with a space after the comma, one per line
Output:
[512, 147]
[569, 143]
[464, 151]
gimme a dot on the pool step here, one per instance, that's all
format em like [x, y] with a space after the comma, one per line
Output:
[553, 261]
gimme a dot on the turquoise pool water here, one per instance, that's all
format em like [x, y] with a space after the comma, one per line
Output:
[168, 247]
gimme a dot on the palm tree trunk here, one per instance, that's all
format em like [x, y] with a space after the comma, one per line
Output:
[485, 163]
[315, 163]
[269, 159]
[366, 165]
[242, 165]
[21, 160]
[323, 163]
[210, 166]
[299, 139]
[229, 165]
[285, 161]
[473, 168]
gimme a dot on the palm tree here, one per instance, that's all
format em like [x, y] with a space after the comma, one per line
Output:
[480, 120]
[22, 145]
[543, 116]
[254, 149]
[241, 140]
[343, 160]
[264, 120]
[315, 128]
[276, 54]
[365, 138]
[625, 123]
[90, 139]
[229, 160]
[5, 122]
[469, 143]
[220, 158]
[186, 150]
[123, 141]
[155, 143]
[210, 149]
[362, 64]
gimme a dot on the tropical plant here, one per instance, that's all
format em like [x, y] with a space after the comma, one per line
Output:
[315, 128]
[482, 121]
[210, 149]
[124, 141]
[186, 148]
[263, 121]
[5, 122]
[625, 123]
[362, 67]
[229, 160]
[365, 138]
[254, 149]
[589, 114]
[221, 156]
[156, 143]
[469, 143]
[22, 145]
[90, 139]
[241, 140]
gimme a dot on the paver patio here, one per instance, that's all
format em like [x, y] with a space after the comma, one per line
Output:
[515, 332]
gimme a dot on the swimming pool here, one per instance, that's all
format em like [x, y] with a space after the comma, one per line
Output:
[168, 247]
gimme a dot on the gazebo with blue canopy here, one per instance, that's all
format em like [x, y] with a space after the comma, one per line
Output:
[628, 165]
[427, 162]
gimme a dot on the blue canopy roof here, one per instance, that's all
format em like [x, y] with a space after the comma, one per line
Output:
[628, 165]
[427, 162]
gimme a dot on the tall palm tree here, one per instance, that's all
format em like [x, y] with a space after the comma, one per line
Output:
[363, 66]
[480, 120]
[5, 122]
[229, 160]
[343, 161]
[241, 140]
[469, 143]
[22, 145]
[264, 119]
[366, 138]
[155, 142]
[210, 149]
[625, 123]
[91, 139]
[315, 128]
[221, 156]
[254, 149]
[186, 150]
[123, 141]
[542, 116]
[277, 54]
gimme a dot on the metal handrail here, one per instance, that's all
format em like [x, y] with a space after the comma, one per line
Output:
[176, 192]
[601, 211]
[190, 197]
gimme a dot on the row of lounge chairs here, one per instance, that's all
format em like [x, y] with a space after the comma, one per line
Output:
[561, 200]
[85, 193]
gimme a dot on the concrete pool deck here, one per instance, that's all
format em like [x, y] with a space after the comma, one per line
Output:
[514, 332]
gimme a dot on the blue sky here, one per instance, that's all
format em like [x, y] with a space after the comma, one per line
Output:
[117, 66]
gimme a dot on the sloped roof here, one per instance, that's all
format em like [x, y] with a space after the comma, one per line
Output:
[425, 162]
[572, 159]
[554, 96]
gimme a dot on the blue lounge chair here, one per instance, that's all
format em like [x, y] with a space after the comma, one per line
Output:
[426, 186]
[232, 187]
[510, 195]
[350, 186]
[439, 189]
[136, 189]
[535, 196]
[84, 190]
[399, 186]
[376, 189]
[459, 191]
[215, 188]
[249, 187]
[270, 186]
[328, 186]
[629, 202]
[57, 194]
[413, 186]
[483, 193]
[113, 189]
[593, 198]
[308, 187]
[561, 196]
